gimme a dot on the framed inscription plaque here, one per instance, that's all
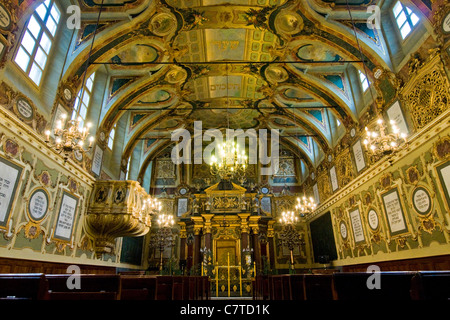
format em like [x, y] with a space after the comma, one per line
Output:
[443, 172]
[394, 212]
[333, 177]
[38, 205]
[421, 201]
[373, 220]
[395, 113]
[182, 206]
[10, 174]
[66, 217]
[97, 160]
[358, 154]
[357, 227]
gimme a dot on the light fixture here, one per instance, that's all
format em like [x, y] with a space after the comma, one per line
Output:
[289, 237]
[165, 220]
[230, 162]
[288, 218]
[305, 205]
[380, 142]
[70, 137]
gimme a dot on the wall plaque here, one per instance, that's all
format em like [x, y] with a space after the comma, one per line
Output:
[372, 218]
[357, 226]
[38, 205]
[97, 160]
[421, 201]
[182, 206]
[394, 212]
[24, 109]
[343, 230]
[9, 179]
[5, 18]
[316, 193]
[443, 172]
[333, 177]
[446, 23]
[66, 217]
[395, 113]
[359, 156]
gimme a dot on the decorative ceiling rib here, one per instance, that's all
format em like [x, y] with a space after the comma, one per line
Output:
[257, 63]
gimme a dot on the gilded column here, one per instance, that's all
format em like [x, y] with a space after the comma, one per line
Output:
[270, 240]
[207, 230]
[183, 236]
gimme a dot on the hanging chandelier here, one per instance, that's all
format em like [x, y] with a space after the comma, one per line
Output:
[152, 205]
[288, 218]
[381, 143]
[70, 137]
[230, 162]
[165, 220]
[305, 206]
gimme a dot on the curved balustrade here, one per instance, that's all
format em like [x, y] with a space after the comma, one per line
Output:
[117, 209]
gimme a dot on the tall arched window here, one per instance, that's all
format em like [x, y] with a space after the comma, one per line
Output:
[81, 106]
[37, 40]
[405, 18]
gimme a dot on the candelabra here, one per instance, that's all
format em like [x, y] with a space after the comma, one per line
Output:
[70, 137]
[382, 143]
[230, 162]
[305, 206]
[289, 237]
[163, 237]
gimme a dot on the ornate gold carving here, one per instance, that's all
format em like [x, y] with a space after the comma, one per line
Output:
[441, 148]
[427, 94]
[165, 169]
[109, 219]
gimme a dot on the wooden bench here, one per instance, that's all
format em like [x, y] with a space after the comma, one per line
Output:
[394, 285]
[30, 286]
[92, 287]
[138, 287]
[430, 285]
[180, 287]
[318, 287]
[163, 288]
[297, 291]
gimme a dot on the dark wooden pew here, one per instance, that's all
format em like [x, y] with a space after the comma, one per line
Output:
[297, 291]
[394, 285]
[318, 287]
[163, 288]
[180, 287]
[30, 286]
[206, 289]
[92, 287]
[430, 285]
[276, 287]
[138, 287]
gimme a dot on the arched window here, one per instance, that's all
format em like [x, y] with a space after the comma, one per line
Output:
[112, 133]
[364, 81]
[81, 105]
[405, 18]
[37, 40]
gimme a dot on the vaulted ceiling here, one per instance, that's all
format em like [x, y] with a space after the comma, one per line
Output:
[274, 64]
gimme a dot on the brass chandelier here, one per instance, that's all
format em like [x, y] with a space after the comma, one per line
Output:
[230, 162]
[380, 142]
[305, 206]
[70, 137]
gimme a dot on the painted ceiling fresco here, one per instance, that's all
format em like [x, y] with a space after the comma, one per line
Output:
[275, 64]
